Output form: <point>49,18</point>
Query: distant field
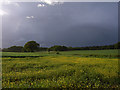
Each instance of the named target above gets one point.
<point>81,53</point>
<point>69,69</point>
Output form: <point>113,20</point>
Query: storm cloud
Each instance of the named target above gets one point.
<point>69,23</point>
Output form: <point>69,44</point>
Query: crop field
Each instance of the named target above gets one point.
<point>68,69</point>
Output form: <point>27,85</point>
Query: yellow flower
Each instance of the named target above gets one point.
<point>31,83</point>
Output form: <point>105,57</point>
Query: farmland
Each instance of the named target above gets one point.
<point>68,69</point>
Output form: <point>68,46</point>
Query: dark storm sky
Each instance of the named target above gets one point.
<point>69,24</point>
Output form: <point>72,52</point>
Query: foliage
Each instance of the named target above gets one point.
<point>42,49</point>
<point>117,45</point>
<point>31,46</point>
<point>35,47</point>
<point>13,49</point>
<point>58,48</point>
<point>0,49</point>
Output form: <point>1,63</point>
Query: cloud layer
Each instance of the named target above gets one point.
<point>70,24</point>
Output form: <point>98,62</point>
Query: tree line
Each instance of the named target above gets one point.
<point>33,46</point>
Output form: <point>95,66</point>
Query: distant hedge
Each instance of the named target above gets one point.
<point>63,48</point>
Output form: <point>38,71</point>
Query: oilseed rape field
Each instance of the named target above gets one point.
<point>68,69</point>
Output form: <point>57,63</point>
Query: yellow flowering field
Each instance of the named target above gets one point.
<point>60,71</point>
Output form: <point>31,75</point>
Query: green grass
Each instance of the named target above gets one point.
<point>98,52</point>
<point>81,53</point>
<point>66,70</point>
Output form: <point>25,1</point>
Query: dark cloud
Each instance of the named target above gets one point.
<point>71,24</point>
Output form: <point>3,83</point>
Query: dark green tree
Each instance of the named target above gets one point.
<point>13,49</point>
<point>48,50</point>
<point>58,48</point>
<point>117,45</point>
<point>31,46</point>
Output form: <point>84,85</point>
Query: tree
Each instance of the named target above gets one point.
<point>0,50</point>
<point>43,49</point>
<point>16,48</point>
<point>48,50</point>
<point>58,48</point>
<point>13,49</point>
<point>117,45</point>
<point>31,46</point>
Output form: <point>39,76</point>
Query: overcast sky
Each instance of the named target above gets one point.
<point>70,24</point>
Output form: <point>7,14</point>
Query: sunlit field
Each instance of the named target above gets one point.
<point>69,69</point>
